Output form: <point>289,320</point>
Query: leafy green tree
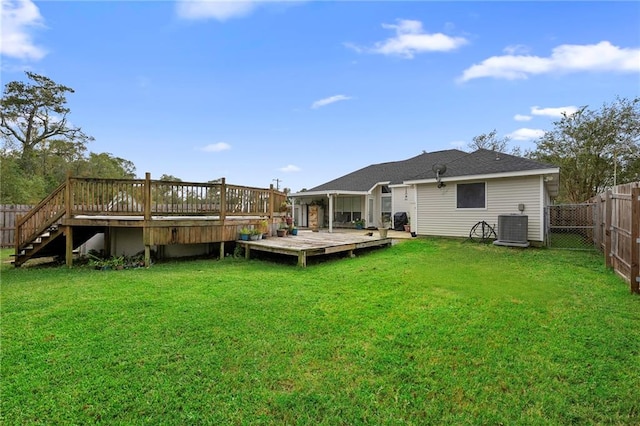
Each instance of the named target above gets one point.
<point>105,165</point>
<point>33,113</point>
<point>16,187</point>
<point>39,145</point>
<point>594,149</point>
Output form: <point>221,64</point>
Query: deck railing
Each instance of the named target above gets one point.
<point>145,198</point>
<point>46,214</point>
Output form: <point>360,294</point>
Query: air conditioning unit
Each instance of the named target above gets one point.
<point>512,230</point>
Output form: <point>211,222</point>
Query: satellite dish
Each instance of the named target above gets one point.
<point>439,169</point>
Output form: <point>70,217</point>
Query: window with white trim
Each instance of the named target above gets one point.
<point>347,209</point>
<point>471,195</point>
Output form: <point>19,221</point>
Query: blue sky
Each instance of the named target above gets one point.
<point>308,91</point>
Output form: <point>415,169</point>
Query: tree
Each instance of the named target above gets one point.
<point>33,113</point>
<point>105,165</point>
<point>489,141</point>
<point>594,149</point>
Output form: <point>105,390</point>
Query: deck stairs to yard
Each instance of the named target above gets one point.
<point>39,233</point>
<point>52,243</point>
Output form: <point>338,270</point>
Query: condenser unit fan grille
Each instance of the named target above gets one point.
<point>512,230</point>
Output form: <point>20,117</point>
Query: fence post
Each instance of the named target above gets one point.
<point>608,200</point>
<point>634,275</point>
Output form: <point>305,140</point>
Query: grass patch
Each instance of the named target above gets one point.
<point>428,331</point>
<point>569,240</point>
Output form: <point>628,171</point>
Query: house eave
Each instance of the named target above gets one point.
<point>444,178</point>
<point>326,193</point>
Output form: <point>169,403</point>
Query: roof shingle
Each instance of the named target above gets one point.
<point>394,172</point>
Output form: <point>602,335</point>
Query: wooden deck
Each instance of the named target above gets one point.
<point>168,212</point>
<point>308,243</point>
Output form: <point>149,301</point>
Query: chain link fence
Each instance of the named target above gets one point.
<point>571,226</point>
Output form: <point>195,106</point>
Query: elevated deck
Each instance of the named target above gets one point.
<point>164,212</point>
<point>308,243</point>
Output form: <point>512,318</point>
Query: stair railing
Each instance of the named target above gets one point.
<point>40,218</point>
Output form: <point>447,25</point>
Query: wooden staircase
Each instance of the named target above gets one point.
<point>43,245</point>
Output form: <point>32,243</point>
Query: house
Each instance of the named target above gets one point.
<point>444,193</point>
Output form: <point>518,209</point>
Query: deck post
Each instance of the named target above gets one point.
<point>68,233</point>
<point>247,251</point>
<point>221,249</point>
<point>68,194</point>
<point>302,258</point>
<point>147,217</point>
<point>223,200</point>
<point>107,241</point>
<point>271,201</point>
<point>147,196</point>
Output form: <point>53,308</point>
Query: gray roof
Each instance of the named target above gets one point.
<point>483,162</point>
<point>459,163</point>
<point>394,172</point>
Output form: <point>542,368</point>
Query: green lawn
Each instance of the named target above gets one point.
<point>425,332</point>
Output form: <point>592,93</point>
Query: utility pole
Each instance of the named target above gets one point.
<point>277,181</point>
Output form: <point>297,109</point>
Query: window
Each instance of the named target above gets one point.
<point>347,209</point>
<point>471,195</point>
<point>385,208</point>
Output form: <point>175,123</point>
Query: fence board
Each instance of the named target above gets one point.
<point>617,230</point>
<point>8,214</point>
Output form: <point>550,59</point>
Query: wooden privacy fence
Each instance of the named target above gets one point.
<point>8,215</point>
<point>8,219</point>
<point>617,230</point>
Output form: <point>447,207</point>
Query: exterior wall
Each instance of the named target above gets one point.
<point>404,200</point>
<point>127,241</point>
<point>438,215</point>
<point>94,243</point>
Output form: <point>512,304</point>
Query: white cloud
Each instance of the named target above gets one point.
<point>565,58</point>
<point>18,18</point>
<point>217,147</point>
<point>553,112</point>
<point>525,134</point>
<point>329,100</point>
<point>410,39</point>
<point>458,144</point>
<point>290,168</point>
<point>516,49</point>
<point>216,9</point>
<point>520,117</point>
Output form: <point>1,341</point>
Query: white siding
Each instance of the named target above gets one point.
<point>438,215</point>
<point>404,200</point>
